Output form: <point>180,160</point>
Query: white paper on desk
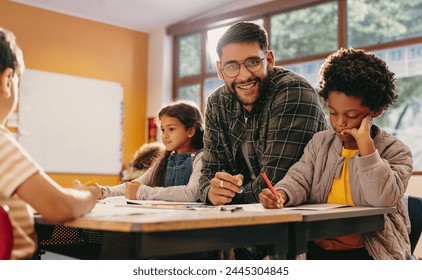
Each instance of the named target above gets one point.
<point>254,207</point>
<point>113,200</point>
<point>110,210</point>
<point>161,202</point>
<point>172,206</point>
<point>317,207</point>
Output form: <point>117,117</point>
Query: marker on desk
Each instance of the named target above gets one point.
<point>231,209</point>
<point>241,187</point>
<point>269,184</point>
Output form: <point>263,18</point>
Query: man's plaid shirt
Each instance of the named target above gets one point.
<point>276,131</point>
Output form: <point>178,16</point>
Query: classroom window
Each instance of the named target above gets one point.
<point>190,92</point>
<point>375,22</point>
<point>210,85</point>
<point>402,121</point>
<point>406,63</point>
<point>190,55</point>
<point>304,32</point>
<point>212,39</point>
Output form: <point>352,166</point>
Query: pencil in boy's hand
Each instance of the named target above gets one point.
<point>269,184</point>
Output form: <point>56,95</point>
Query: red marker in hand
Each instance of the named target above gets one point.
<point>269,184</point>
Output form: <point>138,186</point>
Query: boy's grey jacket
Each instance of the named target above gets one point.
<point>378,180</point>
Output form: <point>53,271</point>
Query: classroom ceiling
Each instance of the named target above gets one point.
<point>141,15</point>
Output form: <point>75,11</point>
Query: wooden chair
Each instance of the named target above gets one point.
<point>6,235</point>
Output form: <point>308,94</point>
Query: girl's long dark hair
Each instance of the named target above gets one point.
<point>190,116</point>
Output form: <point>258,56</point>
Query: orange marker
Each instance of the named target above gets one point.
<point>269,184</point>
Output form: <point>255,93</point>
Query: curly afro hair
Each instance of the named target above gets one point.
<point>147,154</point>
<point>355,72</point>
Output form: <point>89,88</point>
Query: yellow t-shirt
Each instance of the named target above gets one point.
<point>340,194</point>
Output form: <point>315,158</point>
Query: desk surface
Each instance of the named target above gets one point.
<point>164,234</point>
<point>193,219</point>
<point>138,236</point>
<point>343,212</point>
<point>178,220</point>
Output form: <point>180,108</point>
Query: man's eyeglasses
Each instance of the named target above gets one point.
<point>253,64</point>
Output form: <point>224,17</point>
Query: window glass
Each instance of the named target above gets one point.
<point>190,55</point>
<point>212,39</point>
<point>210,85</point>
<point>403,121</point>
<point>309,70</point>
<point>190,92</point>
<point>304,32</point>
<point>372,22</point>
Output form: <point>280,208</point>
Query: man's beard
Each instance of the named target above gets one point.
<point>263,84</point>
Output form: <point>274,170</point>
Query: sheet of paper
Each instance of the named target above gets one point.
<point>113,200</point>
<point>162,202</point>
<point>317,207</point>
<point>110,210</point>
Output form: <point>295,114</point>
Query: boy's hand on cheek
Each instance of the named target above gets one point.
<point>362,136</point>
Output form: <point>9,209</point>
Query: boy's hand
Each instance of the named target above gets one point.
<point>270,201</point>
<point>363,136</point>
<point>132,188</point>
<point>94,188</point>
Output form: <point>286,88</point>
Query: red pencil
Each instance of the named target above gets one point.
<point>269,184</point>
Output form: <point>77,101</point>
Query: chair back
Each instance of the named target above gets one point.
<point>6,235</point>
<point>415,217</point>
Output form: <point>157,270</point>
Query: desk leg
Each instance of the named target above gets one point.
<point>119,246</point>
<point>298,237</point>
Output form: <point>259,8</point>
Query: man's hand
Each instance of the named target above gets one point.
<point>224,187</point>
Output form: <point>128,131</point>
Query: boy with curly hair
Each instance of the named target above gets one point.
<point>143,159</point>
<point>355,163</point>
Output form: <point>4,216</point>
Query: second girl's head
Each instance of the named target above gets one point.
<point>182,127</point>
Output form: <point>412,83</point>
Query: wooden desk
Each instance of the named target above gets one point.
<point>186,231</point>
<point>333,223</point>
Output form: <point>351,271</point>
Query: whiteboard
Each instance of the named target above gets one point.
<point>71,124</point>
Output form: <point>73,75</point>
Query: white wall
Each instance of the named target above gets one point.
<point>160,76</point>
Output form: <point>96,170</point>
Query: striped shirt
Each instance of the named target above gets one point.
<point>275,132</point>
<point>16,166</point>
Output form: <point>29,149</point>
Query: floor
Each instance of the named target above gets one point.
<point>53,256</point>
